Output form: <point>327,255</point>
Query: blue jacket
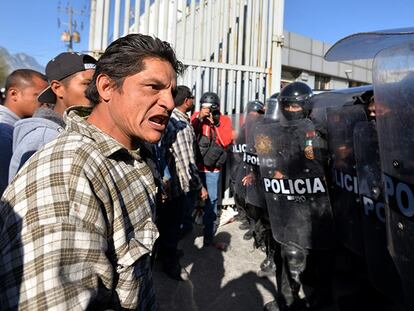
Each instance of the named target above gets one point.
<point>31,134</point>
<point>7,120</point>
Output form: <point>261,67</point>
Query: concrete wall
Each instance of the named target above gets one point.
<point>306,54</point>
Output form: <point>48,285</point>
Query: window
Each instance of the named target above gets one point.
<point>322,82</point>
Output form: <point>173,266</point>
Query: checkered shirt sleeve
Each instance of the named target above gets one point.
<point>76,226</point>
<point>183,154</point>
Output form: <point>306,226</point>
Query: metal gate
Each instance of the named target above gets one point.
<point>227,46</point>
<point>231,47</point>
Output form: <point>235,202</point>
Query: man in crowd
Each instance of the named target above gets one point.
<point>185,149</point>
<point>179,144</point>
<point>77,221</point>
<point>23,86</point>
<point>69,75</point>
<point>214,133</point>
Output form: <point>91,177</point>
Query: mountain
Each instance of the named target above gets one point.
<point>20,60</point>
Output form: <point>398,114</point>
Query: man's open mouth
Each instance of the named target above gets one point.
<point>161,120</point>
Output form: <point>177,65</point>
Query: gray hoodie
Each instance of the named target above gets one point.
<point>31,134</point>
<point>7,116</point>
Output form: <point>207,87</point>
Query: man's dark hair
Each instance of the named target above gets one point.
<point>181,95</point>
<point>125,57</point>
<point>22,78</point>
<point>66,81</point>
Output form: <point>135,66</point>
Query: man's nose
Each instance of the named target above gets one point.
<point>167,101</point>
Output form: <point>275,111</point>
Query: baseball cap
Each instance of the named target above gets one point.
<point>62,66</point>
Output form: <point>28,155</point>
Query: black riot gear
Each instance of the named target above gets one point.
<point>272,108</point>
<point>255,106</point>
<point>394,92</point>
<point>296,93</point>
<point>292,171</point>
<point>295,260</point>
<point>392,51</point>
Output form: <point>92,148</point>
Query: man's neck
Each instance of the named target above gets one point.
<point>101,118</point>
<point>182,109</point>
<point>12,108</point>
<point>59,107</point>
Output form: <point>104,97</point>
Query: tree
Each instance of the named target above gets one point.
<point>4,71</point>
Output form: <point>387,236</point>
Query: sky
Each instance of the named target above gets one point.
<point>31,26</point>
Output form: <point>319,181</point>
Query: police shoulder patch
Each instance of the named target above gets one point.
<point>308,145</point>
<point>309,152</point>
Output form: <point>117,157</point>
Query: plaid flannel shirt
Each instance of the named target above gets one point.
<point>76,226</point>
<point>180,140</point>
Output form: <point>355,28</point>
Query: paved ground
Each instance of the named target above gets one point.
<point>227,280</point>
<point>218,280</point>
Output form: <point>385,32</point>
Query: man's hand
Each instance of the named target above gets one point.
<point>278,175</point>
<point>248,179</point>
<point>205,114</point>
<point>203,194</point>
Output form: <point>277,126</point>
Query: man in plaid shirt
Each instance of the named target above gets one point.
<point>76,224</point>
<point>179,149</point>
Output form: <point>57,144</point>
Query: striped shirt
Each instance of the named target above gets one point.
<point>76,225</point>
<point>180,139</point>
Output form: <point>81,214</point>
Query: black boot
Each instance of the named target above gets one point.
<point>267,268</point>
<point>271,306</point>
<point>244,225</point>
<point>248,235</point>
<point>173,269</point>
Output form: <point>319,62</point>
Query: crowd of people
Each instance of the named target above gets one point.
<point>103,163</point>
<point>101,167</point>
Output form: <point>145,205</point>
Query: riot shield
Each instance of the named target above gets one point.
<point>339,98</point>
<point>393,77</point>
<point>235,156</point>
<point>381,269</point>
<point>253,182</point>
<point>293,176</point>
<point>344,190</point>
<point>366,45</point>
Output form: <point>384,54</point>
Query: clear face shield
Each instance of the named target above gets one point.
<point>272,110</point>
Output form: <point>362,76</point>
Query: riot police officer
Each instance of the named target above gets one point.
<point>238,168</point>
<point>293,167</point>
<point>254,115</point>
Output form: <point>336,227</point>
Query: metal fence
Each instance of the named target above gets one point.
<point>228,46</point>
<point>231,47</point>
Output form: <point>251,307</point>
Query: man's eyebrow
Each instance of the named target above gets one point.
<point>154,80</point>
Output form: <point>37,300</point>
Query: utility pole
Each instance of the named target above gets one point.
<point>71,35</point>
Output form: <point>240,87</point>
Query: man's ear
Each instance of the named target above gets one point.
<point>12,93</point>
<point>104,87</point>
<point>57,88</point>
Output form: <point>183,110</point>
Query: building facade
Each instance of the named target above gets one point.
<point>236,48</point>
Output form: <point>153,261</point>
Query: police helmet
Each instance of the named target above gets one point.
<point>295,93</point>
<point>255,106</point>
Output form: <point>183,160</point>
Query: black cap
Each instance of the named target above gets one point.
<point>62,66</point>
<point>210,98</point>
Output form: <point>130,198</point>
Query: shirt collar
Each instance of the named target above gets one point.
<point>180,114</point>
<point>75,118</point>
